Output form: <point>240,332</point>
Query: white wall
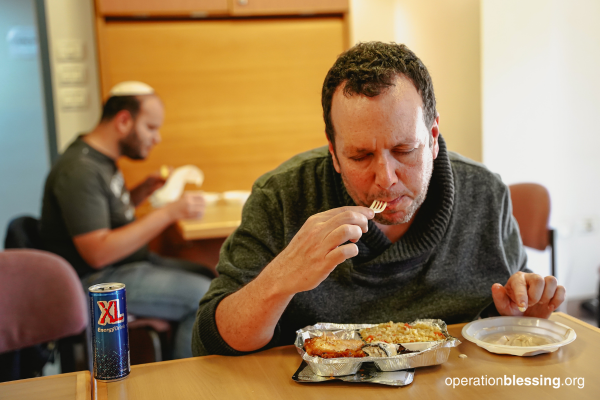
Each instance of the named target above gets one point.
<point>372,20</point>
<point>71,22</point>
<point>541,94</point>
<point>445,36</point>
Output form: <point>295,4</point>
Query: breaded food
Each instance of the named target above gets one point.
<point>402,332</point>
<point>332,347</point>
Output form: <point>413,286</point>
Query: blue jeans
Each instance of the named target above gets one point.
<point>163,288</point>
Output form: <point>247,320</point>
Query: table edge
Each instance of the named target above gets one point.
<point>577,321</point>
<point>76,373</point>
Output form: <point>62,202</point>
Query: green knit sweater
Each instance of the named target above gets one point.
<point>463,240</point>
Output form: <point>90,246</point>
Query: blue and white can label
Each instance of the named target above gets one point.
<point>110,337</point>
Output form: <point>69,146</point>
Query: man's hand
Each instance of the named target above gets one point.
<point>153,182</point>
<point>246,319</point>
<point>319,247</point>
<point>191,205</point>
<point>540,295</point>
<point>105,246</point>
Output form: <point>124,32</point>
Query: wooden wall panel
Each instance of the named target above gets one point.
<point>219,7</point>
<point>160,7</point>
<point>262,7</point>
<point>241,96</point>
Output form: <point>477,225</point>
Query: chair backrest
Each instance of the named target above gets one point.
<point>41,299</point>
<point>531,209</point>
<point>23,233</point>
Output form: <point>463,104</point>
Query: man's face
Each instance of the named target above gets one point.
<point>383,150</point>
<point>144,133</point>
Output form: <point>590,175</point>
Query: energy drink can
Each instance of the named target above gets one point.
<point>110,338</point>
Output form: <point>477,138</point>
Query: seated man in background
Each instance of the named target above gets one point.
<point>309,250</point>
<point>88,215</point>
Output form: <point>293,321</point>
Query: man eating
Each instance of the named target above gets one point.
<point>310,250</point>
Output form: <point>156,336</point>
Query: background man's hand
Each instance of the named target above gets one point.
<point>319,247</point>
<point>191,205</point>
<point>154,181</point>
<point>540,295</point>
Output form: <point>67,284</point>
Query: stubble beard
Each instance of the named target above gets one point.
<point>418,201</point>
<point>130,146</point>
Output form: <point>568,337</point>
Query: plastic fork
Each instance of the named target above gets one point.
<point>378,206</point>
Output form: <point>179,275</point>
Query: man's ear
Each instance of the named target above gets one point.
<point>336,164</point>
<point>123,122</point>
<point>435,135</point>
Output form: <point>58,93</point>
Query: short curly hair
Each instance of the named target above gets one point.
<point>368,69</point>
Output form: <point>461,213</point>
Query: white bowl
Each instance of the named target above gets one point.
<point>211,198</point>
<point>477,330</point>
<point>236,196</point>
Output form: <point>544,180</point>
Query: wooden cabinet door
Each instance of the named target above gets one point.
<point>265,7</point>
<point>241,96</point>
<point>160,7</point>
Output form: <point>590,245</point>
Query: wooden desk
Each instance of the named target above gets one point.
<point>75,385</point>
<point>267,375</point>
<point>197,240</point>
<point>219,221</point>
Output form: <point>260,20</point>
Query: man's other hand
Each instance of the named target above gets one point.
<point>152,182</point>
<point>541,296</point>
<point>318,248</point>
<point>191,205</point>
<point>157,179</point>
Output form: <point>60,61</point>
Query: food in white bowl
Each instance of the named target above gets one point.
<point>518,336</point>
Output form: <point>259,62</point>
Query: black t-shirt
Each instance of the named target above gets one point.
<point>85,191</point>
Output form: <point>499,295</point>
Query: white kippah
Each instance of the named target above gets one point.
<point>131,88</point>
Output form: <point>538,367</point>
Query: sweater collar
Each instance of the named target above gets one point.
<point>426,231</point>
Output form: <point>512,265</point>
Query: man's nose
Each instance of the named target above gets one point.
<point>157,138</point>
<point>385,175</point>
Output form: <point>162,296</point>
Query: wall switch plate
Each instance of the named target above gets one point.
<point>71,73</point>
<point>70,50</point>
<point>73,98</point>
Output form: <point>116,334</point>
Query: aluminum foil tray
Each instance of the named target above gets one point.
<point>431,353</point>
<point>367,374</point>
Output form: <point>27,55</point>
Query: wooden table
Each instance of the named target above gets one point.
<point>75,385</point>
<point>267,375</point>
<point>197,240</point>
<point>219,221</point>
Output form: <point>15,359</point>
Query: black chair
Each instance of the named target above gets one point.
<point>23,233</point>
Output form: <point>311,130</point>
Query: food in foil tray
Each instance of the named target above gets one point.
<point>382,349</point>
<point>333,350</point>
<point>327,346</point>
<point>400,332</point>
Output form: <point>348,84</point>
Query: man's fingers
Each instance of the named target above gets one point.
<point>535,288</point>
<point>558,298</point>
<point>347,218</point>
<point>367,212</point>
<point>341,235</point>
<point>516,288</point>
<point>341,254</point>
<point>501,299</point>
<point>550,286</point>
